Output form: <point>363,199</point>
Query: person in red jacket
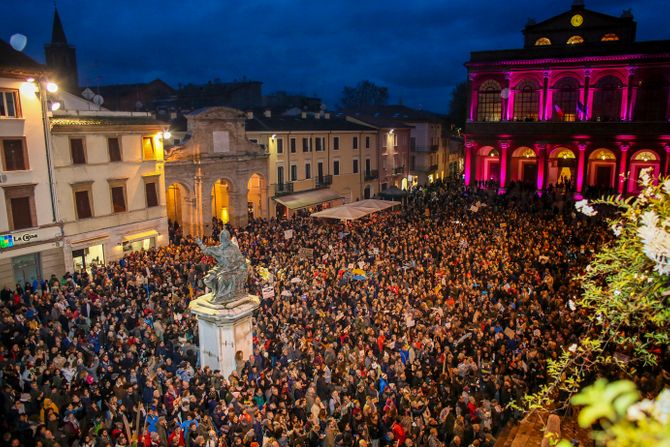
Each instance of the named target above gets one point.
<point>398,432</point>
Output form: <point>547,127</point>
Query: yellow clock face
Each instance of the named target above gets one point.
<point>577,20</point>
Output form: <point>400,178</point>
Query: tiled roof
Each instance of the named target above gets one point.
<point>15,61</point>
<point>81,121</point>
<point>298,124</point>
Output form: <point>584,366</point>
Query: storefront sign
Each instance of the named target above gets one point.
<point>11,240</point>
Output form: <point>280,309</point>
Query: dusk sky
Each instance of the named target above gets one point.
<point>415,48</point>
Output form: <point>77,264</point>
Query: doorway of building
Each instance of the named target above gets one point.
<point>603,176</point>
<point>529,173</point>
<point>26,268</point>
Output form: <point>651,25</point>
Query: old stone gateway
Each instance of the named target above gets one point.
<point>216,172</point>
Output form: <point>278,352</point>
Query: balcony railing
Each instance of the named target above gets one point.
<point>371,174</point>
<point>549,128</point>
<point>283,188</point>
<point>323,182</point>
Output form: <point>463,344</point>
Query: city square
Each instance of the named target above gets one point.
<point>209,265</point>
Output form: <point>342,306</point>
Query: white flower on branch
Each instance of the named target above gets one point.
<point>573,348</point>
<point>655,242</point>
<point>571,305</point>
<point>584,208</point>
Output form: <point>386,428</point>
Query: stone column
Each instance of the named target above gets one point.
<point>504,147</point>
<point>587,108</point>
<point>474,98</point>
<point>667,160</point>
<point>540,149</point>
<point>238,213</point>
<point>580,168</point>
<point>622,167</point>
<point>467,170</point>
<point>545,98</point>
<point>632,95</point>
<point>508,101</point>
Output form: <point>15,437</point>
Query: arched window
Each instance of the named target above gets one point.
<point>494,153</point>
<point>607,99</point>
<point>542,41</point>
<point>609,37</point>
<point>575,40</point>
<point>566,97</point>
<point>489,105</point>
<point>645,156</point>
<point>602,154</point>
<point>652,99</point>
<point>526,102</point>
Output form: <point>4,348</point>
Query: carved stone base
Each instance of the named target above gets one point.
<point>225,330</point>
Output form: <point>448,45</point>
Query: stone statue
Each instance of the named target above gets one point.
<point>227,279</point>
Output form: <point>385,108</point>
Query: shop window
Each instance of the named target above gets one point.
<point>88,257</point>
<point>14,154</point>
<point>26,268</point>
<point>144,244</point>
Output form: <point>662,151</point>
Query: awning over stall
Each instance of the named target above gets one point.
<point>307,198</point>
<point>140,236</point>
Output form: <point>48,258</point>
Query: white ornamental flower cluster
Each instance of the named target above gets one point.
<point>655,241</point>
<point>584,208</point>
<point>659,409</point>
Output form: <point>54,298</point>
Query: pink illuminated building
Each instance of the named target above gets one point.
<point>582,102</point>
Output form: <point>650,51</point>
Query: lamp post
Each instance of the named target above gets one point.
<point>43,86</point>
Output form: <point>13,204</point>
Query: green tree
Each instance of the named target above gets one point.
<point>364,94</point>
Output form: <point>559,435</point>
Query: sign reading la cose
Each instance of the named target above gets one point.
<point>10,240</point>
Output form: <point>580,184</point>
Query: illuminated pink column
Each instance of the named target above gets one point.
<point>473,97</point>
<point>586,101</point>
<point>631,93</point>
<point>467,171</point>
<point>622,167</point>
<point>540,149</point>
<point>580,167</point>
<point>504,146</point>
<point>543,100</point>
<point>667,159</point>
<point>507,99</point>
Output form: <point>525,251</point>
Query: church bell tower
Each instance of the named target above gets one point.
<point>61,58</point>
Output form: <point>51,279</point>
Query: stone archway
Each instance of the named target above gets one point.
<point>524,165</point>
<point>562,167</point>
<point>220,199</point>
<point>602,169</point>
<point>257,196</point>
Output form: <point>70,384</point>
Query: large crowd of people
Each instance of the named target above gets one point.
<point>416,326</point>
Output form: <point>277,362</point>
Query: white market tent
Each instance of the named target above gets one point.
<point>355,210</point>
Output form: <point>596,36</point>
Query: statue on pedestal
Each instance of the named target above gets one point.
<point>227,279</point>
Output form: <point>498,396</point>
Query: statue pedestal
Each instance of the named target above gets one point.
<point>225,330</point>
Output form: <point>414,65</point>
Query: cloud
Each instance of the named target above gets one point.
<point>417,48</point>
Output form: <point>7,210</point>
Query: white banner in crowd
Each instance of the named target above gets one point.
<point>288,234</point>
<point>268,292</point>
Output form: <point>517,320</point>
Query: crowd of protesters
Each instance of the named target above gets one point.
<point>416,326</point>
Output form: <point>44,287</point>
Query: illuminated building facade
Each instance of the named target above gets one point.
<point>582,103</point>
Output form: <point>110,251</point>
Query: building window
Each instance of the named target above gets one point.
<point>118,191</point>
<point>21,211</point>
<point>280,146</point>
<point>355,166</point>
<point>82,200</point>
<point>318,143</point>
<point>368,167</point>
<point>607,99</point>
<point>489,104</point>
<point>575,40</point>
<point>148,150</point>
<point>336,143</point>
<point>308,171</point>
<point>319,169</point>
<point>609,37</point>
<point>355,143</point>
<point>77,151</point>
<point>9,103</point>
<point>151,191</point>
<point>292,142</point>
<point>305,144</point>
<point>652,100</point>
<point>14,154</point>
<point>336,167</point>
<point>542,41</point>
<point>114,149</point>
<point>526,102</point>
<point>294,173</point>
<point>280,175</point>
<point>367,142</point>
<point>566,97</point>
